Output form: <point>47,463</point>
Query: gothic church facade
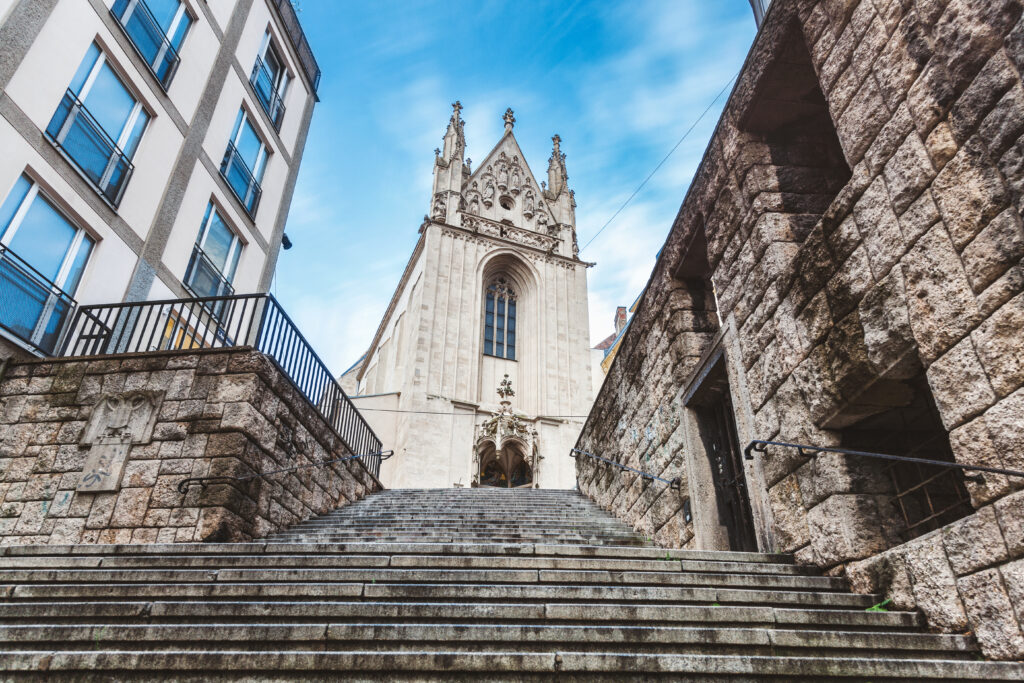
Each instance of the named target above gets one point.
<point>479,374</point>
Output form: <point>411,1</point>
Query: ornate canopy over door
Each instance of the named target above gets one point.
<point>505,469</point>
<point>505,451</point>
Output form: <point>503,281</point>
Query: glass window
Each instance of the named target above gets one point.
<point>214,258</point>
<point>270,81</point>
<point>244,162</point>
<point>500,320</point>
<point>99,124</point>
<point>156,29</point>
<point>42,258</point>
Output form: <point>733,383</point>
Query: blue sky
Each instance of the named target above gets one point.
<point>619,81</point>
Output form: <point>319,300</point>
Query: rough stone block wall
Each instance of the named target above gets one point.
<point>913,265</point>
<point>223,413</point>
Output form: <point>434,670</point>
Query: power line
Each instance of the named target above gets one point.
<point>662,162</point>
<point>428,412</point>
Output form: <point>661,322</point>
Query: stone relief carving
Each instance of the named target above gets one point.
<point>118,420</point>
<point>489,193</point>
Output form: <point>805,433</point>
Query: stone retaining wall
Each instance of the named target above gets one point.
<point>222,413</point>
<point>858,215</point>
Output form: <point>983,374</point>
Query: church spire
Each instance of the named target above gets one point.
<point>557,176</point>
<point>561,199</point>
<point>448,168</point>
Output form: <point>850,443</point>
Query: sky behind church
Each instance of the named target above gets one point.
<point>621,82</point>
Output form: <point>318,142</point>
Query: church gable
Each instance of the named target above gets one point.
<point>503,188</point>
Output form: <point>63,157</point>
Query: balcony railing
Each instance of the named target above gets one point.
<point>244,184</point>
<point>204,278</point>
<point>253,320</point>
<point>149,39</point>
<point>263,83</point>
<point>32,308</point>
<point>79,135</point>
<point>295,33</point>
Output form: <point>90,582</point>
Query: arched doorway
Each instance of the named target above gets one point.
<point>506,469</point>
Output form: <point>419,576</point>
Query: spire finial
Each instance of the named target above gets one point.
<point>456,109</point>
<point>556,139</point>
<point>505,389</point>
<point>509,119</point>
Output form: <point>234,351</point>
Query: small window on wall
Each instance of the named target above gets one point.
<point>270,81</point>
<point>211,269</point>
<point>244,162</point>
<point>156,29</point>
<point>500,320</point>
<point>98,125</point>
<point>42,258</point>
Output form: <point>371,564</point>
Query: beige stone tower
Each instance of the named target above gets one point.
<point>494,288</point>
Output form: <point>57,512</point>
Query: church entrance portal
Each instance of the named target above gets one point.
<point>507,469</point>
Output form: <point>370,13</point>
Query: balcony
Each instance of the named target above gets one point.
<point>243,183</point>
<point>263,83</point>
<point>76,132</point>
<point>32,308</point>
<point>204,279</point>
<point>149,39</point>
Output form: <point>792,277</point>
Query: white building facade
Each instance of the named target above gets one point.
<point>150,151</point>
<point>494,288</point>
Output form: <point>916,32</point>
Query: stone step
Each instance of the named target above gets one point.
<point>496,550</point>
<point>454,592</point>
<point>579,612</point>
<point>338,637</point>
<point>301,569</point>
<point>568,665</point>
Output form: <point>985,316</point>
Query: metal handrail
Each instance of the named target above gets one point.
<point>184,484</point>
<point>253,191</point>
<point>674,484</point>
<point>268,97</point>
<point>152,27</point>
<point>253,320</point>
<point>760,446</point>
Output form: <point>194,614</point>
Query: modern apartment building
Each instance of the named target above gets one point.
<point>149,151</point>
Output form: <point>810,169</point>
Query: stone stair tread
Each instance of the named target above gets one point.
<point>449,585</point>
<point>511,661</point>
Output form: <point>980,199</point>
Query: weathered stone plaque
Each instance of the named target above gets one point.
<point>104,466</point>
<point>117,422</point>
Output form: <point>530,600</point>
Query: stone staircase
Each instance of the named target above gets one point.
<point>403,586</point>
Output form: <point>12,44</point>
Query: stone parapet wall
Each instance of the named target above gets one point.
<point>219,413</point>
<point>842,279</point>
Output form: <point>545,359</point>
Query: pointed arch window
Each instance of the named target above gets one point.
<point>500,320</point>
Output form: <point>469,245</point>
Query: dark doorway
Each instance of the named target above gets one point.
<point>716,422</point>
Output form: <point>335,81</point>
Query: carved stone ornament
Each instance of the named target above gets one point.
<point>118,420</point>
<point>504,427</point>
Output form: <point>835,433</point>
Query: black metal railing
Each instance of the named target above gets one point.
<point>370,460</point>
<point>254,320</point>
<point>32,308</point>
<point>241,179</point>
<point>758,446</point>
<point>204,278</point>
<point>79,135</point>
<point>149,39</point>
<point>266,92</point>
<point>674,484</point>
<point>298,37</point>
